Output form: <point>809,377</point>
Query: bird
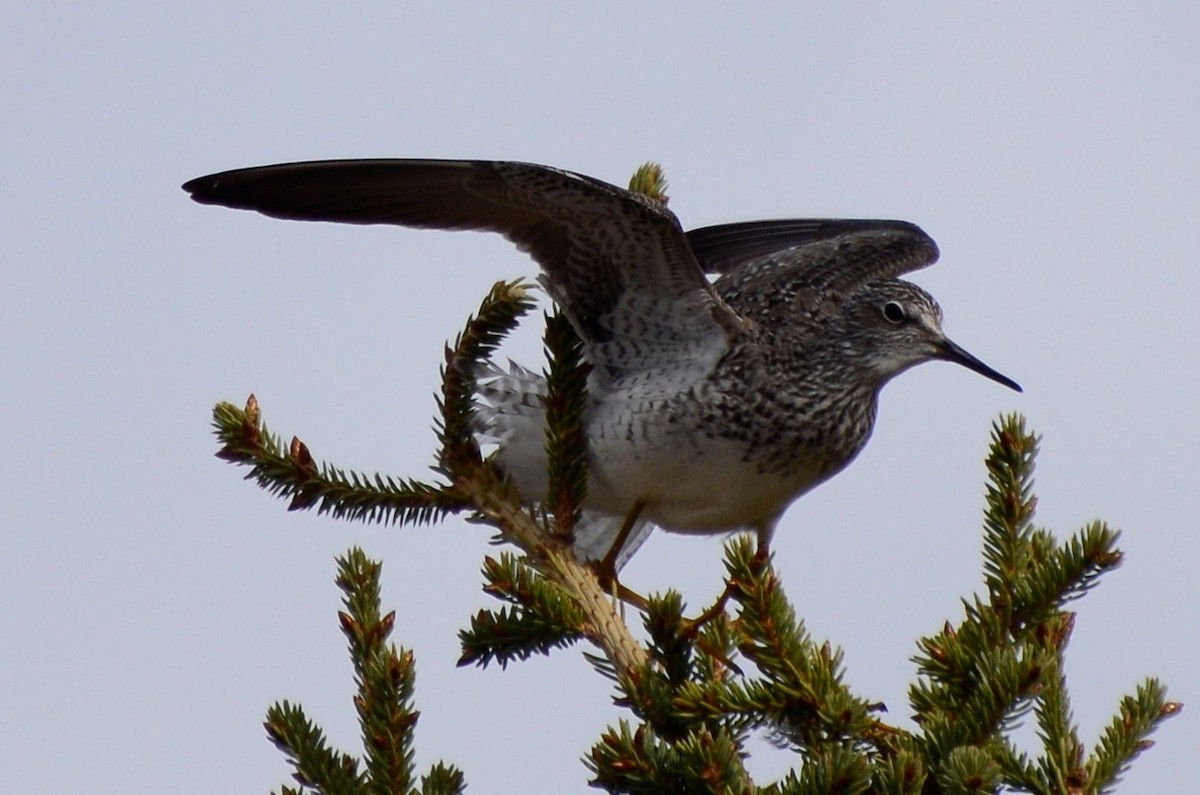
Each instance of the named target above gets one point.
<point>712,405</point>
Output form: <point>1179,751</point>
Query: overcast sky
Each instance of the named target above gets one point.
<point>155,604</point>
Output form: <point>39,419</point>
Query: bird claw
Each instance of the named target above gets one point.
<point>762,557</point>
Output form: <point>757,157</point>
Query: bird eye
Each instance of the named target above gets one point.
<point>893,312</point>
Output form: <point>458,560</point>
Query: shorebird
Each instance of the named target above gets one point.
<point>712,406</point>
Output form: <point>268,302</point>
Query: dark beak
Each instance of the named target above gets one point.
<point>951,352</point>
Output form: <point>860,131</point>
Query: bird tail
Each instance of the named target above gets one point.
<point>510,415</point>
<point>595,533</point>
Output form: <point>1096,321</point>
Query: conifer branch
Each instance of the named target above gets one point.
<point>542,617</point>
<point>494,502</point>
<point>383,674</point>
<point>1061,767</point>
<point>498,314</point>
<point>443,780</point>
<point>317,767</point>
<point>978,678</point>
<point>292,473</point>
<point>650,181</point>
<point>834,769</point>
<point>1126,737</point>
<point>637,761</point>
<point>969,770</point>
<point>800,694</point>
<point>385,677</point>
<point>566,445</point>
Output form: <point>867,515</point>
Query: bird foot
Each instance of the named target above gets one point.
<point>607,577</point>
<point>761,557</point>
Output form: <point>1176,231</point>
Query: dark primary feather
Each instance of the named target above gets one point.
<point>724,247</point>
<point>618,263</point>
<point>813,264</point>
<point>610,256</point>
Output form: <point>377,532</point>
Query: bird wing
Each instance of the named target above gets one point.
<point>616,262</point>
<point>724,247</point>
<point>820,260</point>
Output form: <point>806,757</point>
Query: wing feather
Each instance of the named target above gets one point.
<point>617,262</point>
<point>819,260</point>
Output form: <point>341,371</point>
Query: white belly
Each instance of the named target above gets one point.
<point>687,482</point>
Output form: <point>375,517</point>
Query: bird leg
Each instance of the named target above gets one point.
<point>761,555</point>
<point>608,565</point>
<point>606,569</point>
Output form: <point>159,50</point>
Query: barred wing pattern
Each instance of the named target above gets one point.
<point>616,262</point>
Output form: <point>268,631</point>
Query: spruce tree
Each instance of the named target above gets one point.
<point>693,691</point>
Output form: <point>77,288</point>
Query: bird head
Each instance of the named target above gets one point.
<point>896,325</point>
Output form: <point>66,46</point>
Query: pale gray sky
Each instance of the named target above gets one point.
<point>156,604</point>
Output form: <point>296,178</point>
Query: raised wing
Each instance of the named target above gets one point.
<point>724,247</point>
<point>616,262</point>
<point>821,261</point>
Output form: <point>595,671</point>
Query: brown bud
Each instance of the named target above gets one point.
<point>252,411</point>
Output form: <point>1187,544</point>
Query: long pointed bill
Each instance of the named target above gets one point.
<point>951,352</point>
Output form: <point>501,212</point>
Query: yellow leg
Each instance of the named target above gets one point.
<point>608,566</point>
<point>761,556</point>
<point>606,569</point>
